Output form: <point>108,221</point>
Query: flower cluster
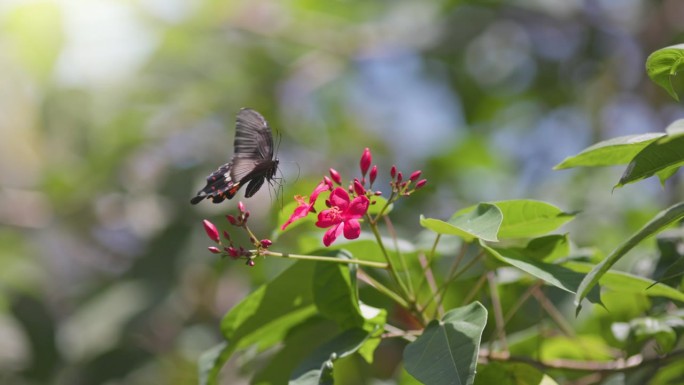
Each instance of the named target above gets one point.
<point>235,252</point>
<point>347,206</point>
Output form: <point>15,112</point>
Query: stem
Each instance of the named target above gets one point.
<point>382,289</point>
<point>390,229</point>
<point>428,277</point>
<point>390,265</point>
<point>498,312</point>
<point>359,262</point>
<point>554,313</point>
<point>390,200</point>
<point>437,297</point>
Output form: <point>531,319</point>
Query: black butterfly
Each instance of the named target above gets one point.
<point>252,163</point>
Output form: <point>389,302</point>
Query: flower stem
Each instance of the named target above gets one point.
<point>393,271</point>
<point>382,289</point>
<point>402,259</point>
<point>359,262</point>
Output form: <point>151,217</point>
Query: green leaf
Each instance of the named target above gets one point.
<point>334,295</point>
<point>661,221</point>
<point>628,283</point>
<point>317,368</point>
<point>610,152</point>
<point>658,157</point>
<point>511,374</point>
<point>480,222</point>
<point>548,248</point>
<point>663,64</point>
<point>374,323</point>
<point>446,353</point>
<point>524,218</point>
<point>676,127</point>
<point>556,275</point>
<point>263,317</point>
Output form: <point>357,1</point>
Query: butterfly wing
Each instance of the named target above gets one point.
<point>253,138</point>
<point>252,161</point>
<point>220,185</point>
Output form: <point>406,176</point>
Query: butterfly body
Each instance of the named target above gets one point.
<point>253,161</point>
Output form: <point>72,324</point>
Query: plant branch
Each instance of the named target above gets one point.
<point>498,312</point>
<point>402,260</point>
<point>390,266</point>
<point>382,289</point>
<point>359,262</point>
<point>618,365</point>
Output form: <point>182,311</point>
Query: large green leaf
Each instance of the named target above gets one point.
<point>446,353</point>
<point>480,222</point>
<point>662,66</point>
<point>662,157</point>
<point>661,221</point>
<point>523,218</point>
<point>317,368</point>
<point>610,152</point>
<point>500,373</point>
<point>263,317</point>
<point>334,295</point>
<point>556,275</point>
<point>628,283</point>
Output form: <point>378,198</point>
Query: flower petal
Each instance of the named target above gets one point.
<point>332,234</point>
<point>323,186</point>
<point>357,208</point>
<point>352,229</point>
<point>339,198</point>
<point>329,217</point>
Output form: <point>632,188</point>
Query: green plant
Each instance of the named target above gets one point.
<point>433,292</point>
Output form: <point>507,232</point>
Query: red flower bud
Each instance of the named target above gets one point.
<point>214,249</point>
<point>250,263</point>
<point>211,231</point>
<point>393,171</point>
<point>241,207</point>
<point>226,235</point>
<point>328,182</point>
<point>378,193</point>
<point>414,176</point>
<point>245,215</point>
<point>358,188</point>
<point>400,177</point>
<point>421,183</point>
<point>233,252</point>
<point>366,159</point>
<point>231,219</point>
<point>335,176</point>
<point>373,174</point>
<point>265,243</point>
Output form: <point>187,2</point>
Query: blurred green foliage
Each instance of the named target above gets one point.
<point>113,113</point>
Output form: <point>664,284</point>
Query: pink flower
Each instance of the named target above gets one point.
<point>342,216</point>
<point>373,174</point>
<point>366,159</point>
<point>211,231</point>
<point>358,188</point>
<point>414,176</point>
<point>335,176</point>
<point>303,208</point>
<point>214,249</point>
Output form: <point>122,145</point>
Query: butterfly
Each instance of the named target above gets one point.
<point>253,161</point>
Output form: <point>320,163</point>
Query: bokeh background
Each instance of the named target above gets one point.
<point>112,113</point>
